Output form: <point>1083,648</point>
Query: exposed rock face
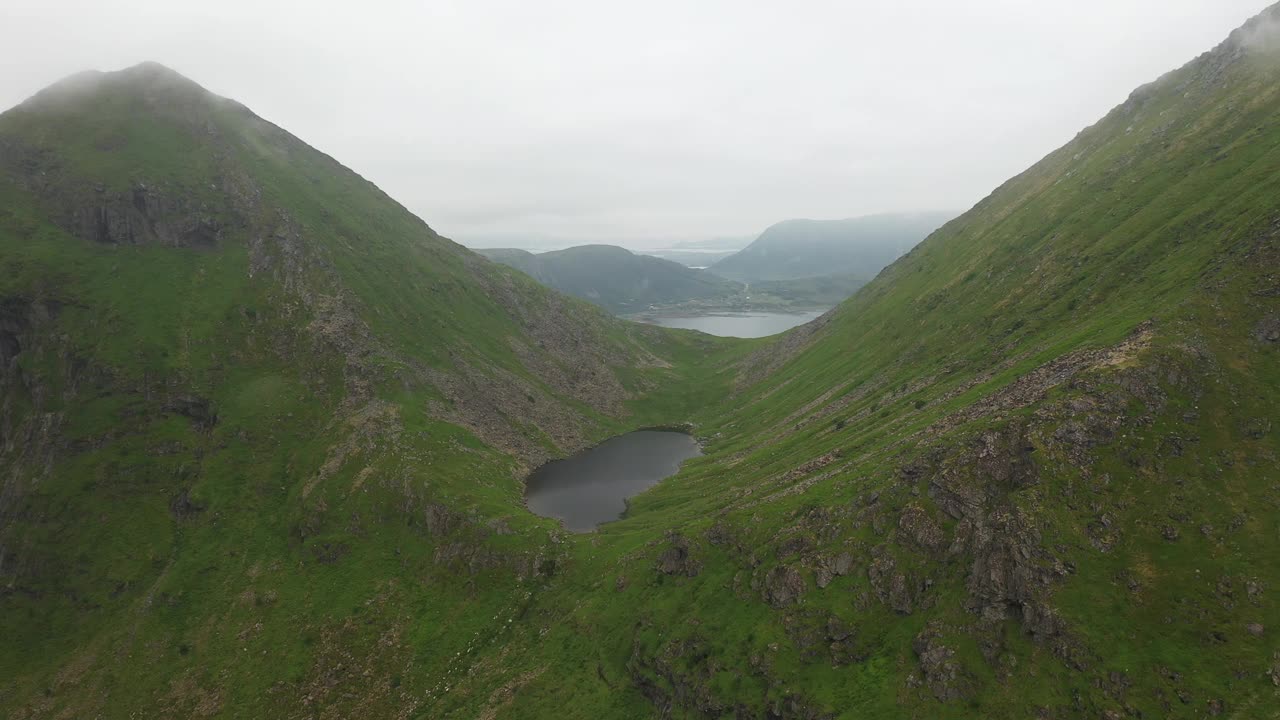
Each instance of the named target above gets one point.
<point>1003,575</point>
<point>783,585</point>
<point>830,567</point>
<point>147,216</point>
<point>1268,329</point>
<point>894,587</point>
<point>677,684</point>
<point>921,530</point>
<point>160,213</point>
<point>183,507</point>
<point>9,347</point>
<point>942,672</point>
<point>197,409</point>
<point>1008,571</point>
<point>677,688</point>
<point>676,560</point>
<point>481,400</point>
<point>14,324</point>
<point>440,520</point>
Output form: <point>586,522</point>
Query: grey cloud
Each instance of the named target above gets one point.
<point>646,123</point>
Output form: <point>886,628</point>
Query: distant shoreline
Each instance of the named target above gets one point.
<point>652,315</point>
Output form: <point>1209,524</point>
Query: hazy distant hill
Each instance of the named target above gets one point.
<point>613,277</point>
<point>700,253</point>
<point>859,247</point>
<point>690,258</point>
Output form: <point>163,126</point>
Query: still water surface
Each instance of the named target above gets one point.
<point>743,325</point>
<point>592,487</point>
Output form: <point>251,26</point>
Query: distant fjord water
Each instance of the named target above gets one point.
<point>738,324</point>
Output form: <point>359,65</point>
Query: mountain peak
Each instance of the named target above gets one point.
<point>149,81</point>
<point>1260,34</point>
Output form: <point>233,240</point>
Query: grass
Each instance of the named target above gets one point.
<point>348,549</point>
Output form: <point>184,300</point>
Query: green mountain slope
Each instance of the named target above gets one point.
<point>857,247</point>
<point>256,418</point>
<point>615,278</point>
<point>1030,470</point>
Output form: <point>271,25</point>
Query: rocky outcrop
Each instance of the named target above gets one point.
<point>1034,385</point>
<point>198,410</point>
<point>146,215</point>
<point>676,559</point>
<point>921,530</point>
<point>895,587</point>
<point>940,669</point>
<point>782,586</point>
<point>500,407</point>
<point>183,507</point>
<point>676,679</point>
<point>1268,329</point>
<point>830,567</point>
<point>1010,572</point>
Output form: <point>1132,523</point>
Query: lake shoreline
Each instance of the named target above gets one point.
<point>739,324</point>
<point>649,316</point>
<point>592,487</point>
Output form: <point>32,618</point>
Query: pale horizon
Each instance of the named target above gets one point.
<point>501,123</point>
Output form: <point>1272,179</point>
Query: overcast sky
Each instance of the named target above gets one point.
<point>643,123</point>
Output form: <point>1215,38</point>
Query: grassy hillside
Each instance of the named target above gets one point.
<point>1030,471</point>
<point>858,247</point>
<point>615,278</point>
<point>248,404</point>
<point>262,444</point>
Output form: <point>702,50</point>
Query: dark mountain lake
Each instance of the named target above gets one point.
<point>592,487</point>
<point>743,325</point>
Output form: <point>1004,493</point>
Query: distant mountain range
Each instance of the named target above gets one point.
<point>615,278</point>
<point>795,263</point>
<point>700,253</point>
<point>699,259</point>
<point>858,247</point>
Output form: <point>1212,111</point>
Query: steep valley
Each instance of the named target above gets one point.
<point>263,434</point>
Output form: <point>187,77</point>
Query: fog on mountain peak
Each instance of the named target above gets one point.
<point>585,122</point>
